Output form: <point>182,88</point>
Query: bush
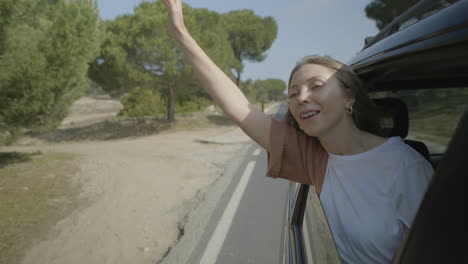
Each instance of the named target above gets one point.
<point>142,102</point>
<point>192,106</point>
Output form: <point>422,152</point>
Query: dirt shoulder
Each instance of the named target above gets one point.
<point>135,193</point>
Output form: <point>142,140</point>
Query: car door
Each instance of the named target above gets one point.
<point>307,235</point>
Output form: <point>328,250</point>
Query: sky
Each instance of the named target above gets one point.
<point>336,28</point>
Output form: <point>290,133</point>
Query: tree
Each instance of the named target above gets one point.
<point>207,28</point>
<point>248,89</point>
<point>45,47</point>
<point>139,52</point>
<point>141,102</point>
<point>250,36</point>
<point>384,11</point>
<point>264,90</point>
<point>111,70</point>
<point>270,89</point>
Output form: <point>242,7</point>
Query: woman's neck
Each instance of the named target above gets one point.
<point>350,141</point>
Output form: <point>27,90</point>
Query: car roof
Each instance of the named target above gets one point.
<point>422,48</point>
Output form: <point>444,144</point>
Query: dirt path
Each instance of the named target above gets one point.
<point>139,191</point>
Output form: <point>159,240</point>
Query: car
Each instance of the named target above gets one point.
<point>416,70</point>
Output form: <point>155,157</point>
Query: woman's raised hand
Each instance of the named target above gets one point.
<point>176,17</point>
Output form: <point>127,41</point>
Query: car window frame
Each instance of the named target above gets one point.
<point>304,243</point>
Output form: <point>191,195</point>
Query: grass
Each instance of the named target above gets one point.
<point>199,120</point>
<point>36,191</point>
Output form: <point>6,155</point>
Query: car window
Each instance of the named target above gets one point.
<point>433,114</point>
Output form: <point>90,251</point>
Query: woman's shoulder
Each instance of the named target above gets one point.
<point>293,139</point>
<point>290,129</point>
<point>405,154</point>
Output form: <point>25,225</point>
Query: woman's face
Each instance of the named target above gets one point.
<point>317,101</point>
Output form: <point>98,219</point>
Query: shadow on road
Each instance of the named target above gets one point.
<point>8,158</point>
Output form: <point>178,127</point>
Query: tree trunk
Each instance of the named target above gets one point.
<point>240,67</point>
<point>171,104</point>
<point>238,78</point>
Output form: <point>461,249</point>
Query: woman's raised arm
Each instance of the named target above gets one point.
<point>221,88</point>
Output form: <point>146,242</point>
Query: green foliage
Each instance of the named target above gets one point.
<point>142,102</point>
<point>45,47</point>
<point>193,106</point>
<point>110,70</point>
<point>139,51</point>
<point>270,89</point>
<point>249,36</point>
<point>384,11</point>
<point>264,90</point>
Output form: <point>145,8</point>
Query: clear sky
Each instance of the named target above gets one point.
<point>323,27</point>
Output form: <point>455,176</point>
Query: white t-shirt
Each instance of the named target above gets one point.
<point>369,199</point>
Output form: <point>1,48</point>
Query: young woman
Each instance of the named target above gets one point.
<point>370,187</point>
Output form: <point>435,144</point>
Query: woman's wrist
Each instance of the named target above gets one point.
<point>181,34</point>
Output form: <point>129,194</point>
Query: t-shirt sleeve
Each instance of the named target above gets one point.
<point>293,155</point>
<point>410,188</point>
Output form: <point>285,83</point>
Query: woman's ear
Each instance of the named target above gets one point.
<point>350,100</point>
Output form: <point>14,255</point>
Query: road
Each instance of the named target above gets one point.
<point>255,234</point>
<point>247,216</point>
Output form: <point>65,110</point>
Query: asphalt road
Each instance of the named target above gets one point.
<point>255,234</point>
<point>241,218</point>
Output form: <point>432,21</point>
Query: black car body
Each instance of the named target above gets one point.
<point>421,60</point>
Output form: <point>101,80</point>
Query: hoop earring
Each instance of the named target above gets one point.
<point>349,110</point>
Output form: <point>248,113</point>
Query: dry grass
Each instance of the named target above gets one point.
<point>36,191</point>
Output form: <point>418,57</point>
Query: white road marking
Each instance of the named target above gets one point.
<point>257,152</point>
<point>219,235</point>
